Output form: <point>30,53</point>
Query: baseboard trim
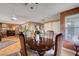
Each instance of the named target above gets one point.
<point>69,50</point>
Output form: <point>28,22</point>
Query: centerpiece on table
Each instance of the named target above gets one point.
<point>37,36</point>
<point>25,30</point>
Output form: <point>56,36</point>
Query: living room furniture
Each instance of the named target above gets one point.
<point>10,32</point>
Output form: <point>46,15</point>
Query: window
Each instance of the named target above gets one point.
<point>71,26</point>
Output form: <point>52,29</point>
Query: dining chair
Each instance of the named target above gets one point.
<point>77,50</point>
<point>58,44</point>
<point>49,42</point>
<point>46,40</point>
<point>49,39</point>
<point>23,50</point>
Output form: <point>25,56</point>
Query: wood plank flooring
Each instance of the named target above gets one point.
<point>16,47</point>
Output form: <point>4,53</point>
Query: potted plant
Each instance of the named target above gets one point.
<point>24,30</point>
<point>37,36</point>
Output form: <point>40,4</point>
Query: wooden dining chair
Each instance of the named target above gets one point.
<point>23,50</point>
<point>58,44</point>
<point>49,40</point>
<point>49,43</point>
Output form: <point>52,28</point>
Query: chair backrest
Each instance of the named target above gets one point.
<point>23,45</point>
<point>58,44</point>
<point>49,43</point>
<point>49,38</point>
<point>50,34</point>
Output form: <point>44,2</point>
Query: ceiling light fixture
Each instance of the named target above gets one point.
<point>36,3</point>
<point>33,7</point>
<point>14,18</point>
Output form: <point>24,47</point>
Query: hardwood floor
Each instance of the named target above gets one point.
<point>68,45</point>
<point>12,49</point>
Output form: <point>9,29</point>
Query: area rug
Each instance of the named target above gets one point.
<point>6,43</point>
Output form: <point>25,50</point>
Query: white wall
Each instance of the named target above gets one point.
<point>54,26</point>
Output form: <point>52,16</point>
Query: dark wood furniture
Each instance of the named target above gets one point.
<point>23,50</point>
<point>58,44</point>
<point>77,49</point>
<point>42,46</point>
<point>10,32</point>
<point>46,45</point>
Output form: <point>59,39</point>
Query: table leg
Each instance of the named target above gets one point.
<point>41,53</point>
<point>76,51</point>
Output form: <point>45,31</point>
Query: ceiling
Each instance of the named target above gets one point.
<point>37,12</point>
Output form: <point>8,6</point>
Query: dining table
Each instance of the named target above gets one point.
<point>42,45</point>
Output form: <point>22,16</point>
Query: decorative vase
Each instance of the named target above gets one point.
<point>37,38</point>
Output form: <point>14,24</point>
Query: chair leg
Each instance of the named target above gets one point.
<point>23,52</point>
<point>76,51</point>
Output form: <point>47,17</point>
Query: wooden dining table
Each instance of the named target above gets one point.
<point>44,44</point>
